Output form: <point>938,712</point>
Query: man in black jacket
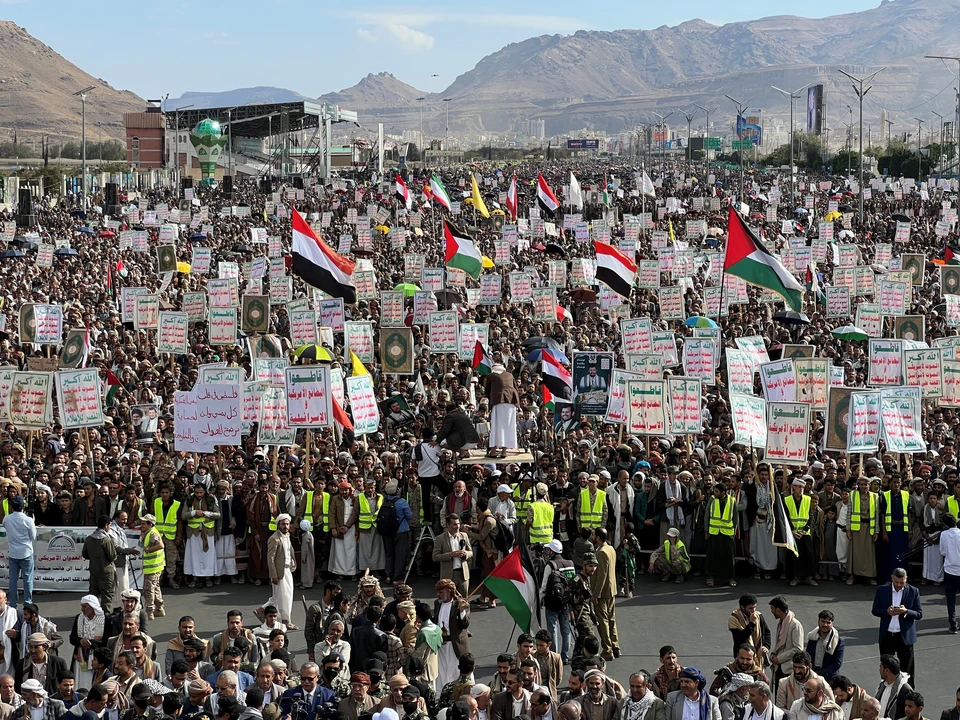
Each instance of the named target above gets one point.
<point>38,647</point>
<point>457,432</point>
<point>367,639</point>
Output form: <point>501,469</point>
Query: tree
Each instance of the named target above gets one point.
<point>846,162</point>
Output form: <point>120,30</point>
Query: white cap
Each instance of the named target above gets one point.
<point>504,488</point>
<point>555,545</point>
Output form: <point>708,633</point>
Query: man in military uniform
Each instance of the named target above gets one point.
<point>412,706</point>
<point>581,602</point>
<point>454,689</point>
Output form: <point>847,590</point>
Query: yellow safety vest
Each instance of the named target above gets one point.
<point>591,517</point>
<point>197,522</point>
<point>541,530</point>
<point>368,515</point>
<point>721,524</point>
<point>798,518</point>
<point>153,562</point>
<point>166,524</point>
<point>888,515</point>
<point>522,500</point>
<point>855,512</point>
<point>953,506</point>
<point>667,549</point>
<point>326,511</point>
<point>308,511</point>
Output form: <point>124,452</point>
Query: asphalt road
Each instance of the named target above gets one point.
<point>691,617</point>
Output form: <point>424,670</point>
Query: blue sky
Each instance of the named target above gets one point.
<point>154,48</point>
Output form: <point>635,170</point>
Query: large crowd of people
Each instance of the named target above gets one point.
<point>352,518</point>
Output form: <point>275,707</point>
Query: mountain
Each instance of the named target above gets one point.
<point>613,80</point>
<point>36,86</point>
<point>375,94</point>
<point>229,98</point>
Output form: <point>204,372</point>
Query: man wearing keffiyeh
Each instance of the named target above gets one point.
<point>692,696</point>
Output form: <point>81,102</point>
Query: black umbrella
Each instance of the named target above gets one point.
<point>448,297</point>
<point>78,214</point>
<point>555,249</point>
<point>789,317</point>
<point>11,253</point>
<point>24,244</point>
<point>583,295</point>
<point>844,208</point>
<point>65,251</point>
<point>539,341</point>
<point>900,217</point>
<point>241,248</point>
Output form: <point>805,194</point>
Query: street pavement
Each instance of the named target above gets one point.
<point>691,617</point>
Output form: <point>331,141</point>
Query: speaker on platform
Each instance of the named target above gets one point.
<point>25,215</point>
<point>266,185</point>
<point>186,183</point>
<point>228,185</point>
<point>111,199</point>
<point>298,183</point>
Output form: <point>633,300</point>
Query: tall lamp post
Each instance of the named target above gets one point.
<point>741,107</point>
<point>422,161</point>
<point>940,140</point>
<point>706,135</point>
<point>792,96</point>
<point>858,84</point>
<point>176,143</point>
<point>689,117</point>
<point>82,94</point>
<point>919,158</point>
<point>446,126</point>
<point>662,124</point>
<point>955,59</point>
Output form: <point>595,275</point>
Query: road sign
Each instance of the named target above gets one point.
<point>741,145</point>
<point>713,143</point>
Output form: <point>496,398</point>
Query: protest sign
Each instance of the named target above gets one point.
<point>647,408</point>
<point>863,430</point>
<point>363,404</point>
<point>172,328</point>
<point>78,397</point>
<point>699,358</point>
<point>684,394</point>
<point>788,433</point>
<point>900,421</point>
<point>749,415</point>
<point>885,362</point>
<point>778,381</point>
<point>308,396</point>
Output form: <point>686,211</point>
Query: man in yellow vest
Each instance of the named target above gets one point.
<point>721,527</point>
<point>540,516</point>
<point>304,521</point>
<point>862,532</point>
<point>154,562</point>
<point>671,559</point>
<point>895,506</point>
<point>370,553</point>
<point>321,525</point>
<point>167,512</point>
<point>802,565</point>
<point>953,502</point>
<point>592,505</point>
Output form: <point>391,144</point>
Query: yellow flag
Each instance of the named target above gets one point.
<point>670,227</point>
<point>477,200</point>
<point>358,368</point>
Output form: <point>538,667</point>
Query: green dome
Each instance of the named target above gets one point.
<point>207,127</point>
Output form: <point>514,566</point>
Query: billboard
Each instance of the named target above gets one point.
<point>815,109</point>
<point>750,126</point>
<point>583,144</point>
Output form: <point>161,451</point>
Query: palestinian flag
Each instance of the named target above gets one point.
<point>121,270</point>
<point>951,255</point>
<point>748,259</point>
<point>481,361</point>
<point>514,583</point>
<point>781,528</point>
<point>403,192</point>
<point>548,201</point>
<point>548,401</point>
<point>812,282</point>
<point>340,415</point>
<point>555,376</point>
<point>113,387</point>
<point>439,192</point>
<point>317,264</point>
<point>460,252</point>
<point>614,269</point>
<point>512,198</point>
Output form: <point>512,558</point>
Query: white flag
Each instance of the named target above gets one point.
<point>576,195</point>
<point>646,187</point>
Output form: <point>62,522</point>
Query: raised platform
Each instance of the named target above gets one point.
<point>479,457</point>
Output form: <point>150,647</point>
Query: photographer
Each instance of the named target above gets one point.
<point>555,592</point>
<point>309,699</point>
<point>21,534</point>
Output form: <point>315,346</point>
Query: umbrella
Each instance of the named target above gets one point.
<point>556,249</point>
<point>108,234</point>
<point>11,253</point>
<point>24,244</point>
<point>65,251</point>
<point>845,208</point>
<point>583,295</point>
<point>756,216</point>
<point>86,230</point>
<point>241,248</point>
<point>699,321</point>
<point>78,214</point>
<point>537,356</point>
<point>198,236</point>
<point>383,229</point>
<point>900,217</point>
<point>539,341</point>
<point>448,297</point>
<point>849,332</point>
<point>831,216</point>
<point>183,267</point>
<point>714,232</point>
<point>408,289</point>
<point>800,211</point>
<point>789,317</point>
<point>313,352</point>
<point>846,234</point>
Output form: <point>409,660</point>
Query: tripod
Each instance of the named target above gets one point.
<point>424,530</point>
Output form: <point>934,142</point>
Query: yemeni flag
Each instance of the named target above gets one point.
<point>481,361</point>
<point>113,387</point>
<point>438,191</point>
<point>461,253</point>
<point>563,314</point>
<point>747,259</point>
<point>403,192</point>
<point>515,585</point>
<point>614,269</point>
<point>548,399</point>
<point>86,347</point>
<point>781,528</point>
<point>545,197</point>
<point>512,197</point>
<point>555,376</point>
<point>605,193</point>
<point>318,265</point>
<point>951,255</point>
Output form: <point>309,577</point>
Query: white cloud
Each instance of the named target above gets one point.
<point>410,40</point>
<point>536,24</point>
<point>365,34</point>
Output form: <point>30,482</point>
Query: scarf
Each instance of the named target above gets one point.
<point>691,673</point>
<point>782,628</point>
<point>432,635</point>
<point>674,513</point>
<point>637,710</point>
<point>739,621</point>
<point>827,707</point>
<point>825,646</point>
<point>202,530</point>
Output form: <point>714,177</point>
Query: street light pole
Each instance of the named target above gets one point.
<point>919,158</point>
<point>956,123</point>
<point>940,140</point>
<point>741,107</point>
<point>861,93</point>
<point>689,117</point>
<point>176,141</point>
<point>663,143</point>
<point>791,95</point>
<point>82,94</point>
<point>422,161</point>
<point>706,136</point>
<point>446,127</point>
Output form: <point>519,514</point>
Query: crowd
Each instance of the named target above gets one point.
<point>597,507</point>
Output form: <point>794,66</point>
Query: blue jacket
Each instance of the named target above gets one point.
<point>831,663</point>
<point>322,696</point>
<point>908,623</point>
<point>403,511</point>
